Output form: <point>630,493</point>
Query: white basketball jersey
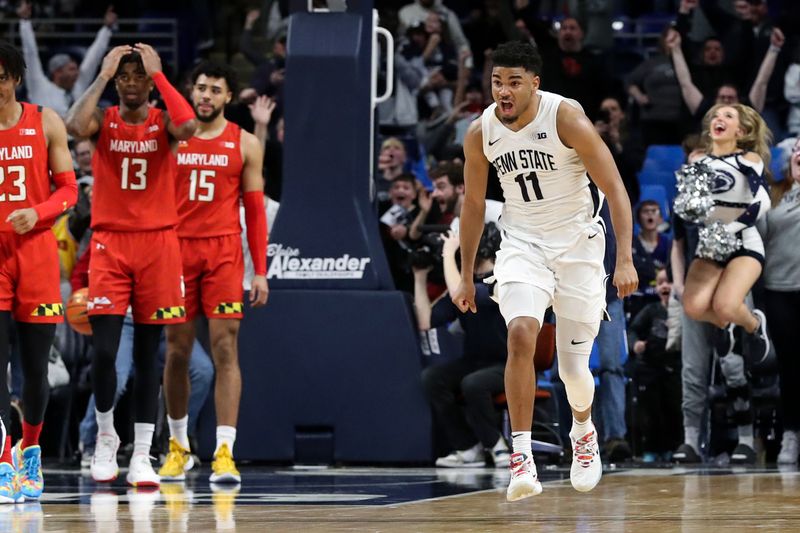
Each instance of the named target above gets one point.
<point>545,185</point>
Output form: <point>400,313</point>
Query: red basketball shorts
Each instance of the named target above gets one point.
<point>137,268</point>
<point>213,270</point>
<point>29,277</point>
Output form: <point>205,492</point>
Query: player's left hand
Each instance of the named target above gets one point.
<point>23,220</point>
<point>625,278</point>
<point>259,291</point>
<point>150,59</point>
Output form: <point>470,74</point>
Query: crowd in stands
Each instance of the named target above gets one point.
<point>640,96</point>
<point>697,54</point>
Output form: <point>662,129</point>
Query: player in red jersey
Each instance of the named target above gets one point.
<point>135,253</point>
<point>217,167</point>
<point>33,157</point>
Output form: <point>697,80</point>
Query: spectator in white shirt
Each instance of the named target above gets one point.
<point>65,81</point>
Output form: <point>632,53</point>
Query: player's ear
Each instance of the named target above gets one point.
<point>228,98</point>
<point>536,82</point>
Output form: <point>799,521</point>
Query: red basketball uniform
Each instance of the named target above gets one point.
<point>135,252</point>
<point>209,189</point>
<point>29,269</point>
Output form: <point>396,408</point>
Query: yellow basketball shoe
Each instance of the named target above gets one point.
<point>224,469</point>
<point>179,460</point>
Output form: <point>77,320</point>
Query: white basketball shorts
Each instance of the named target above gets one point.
<point>566,273</point>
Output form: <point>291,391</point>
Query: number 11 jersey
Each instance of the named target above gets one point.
<point>546,188</point>
<point>134,175</point>
<point>210,185</point>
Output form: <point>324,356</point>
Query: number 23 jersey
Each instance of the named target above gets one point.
<point>545,185</point>
<point>134,175</point>
<point>210,184</point>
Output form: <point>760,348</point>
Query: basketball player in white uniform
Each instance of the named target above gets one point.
<point>542,146</point>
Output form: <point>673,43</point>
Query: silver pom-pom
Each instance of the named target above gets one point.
<point>716,242</point>
<point>693,202</point>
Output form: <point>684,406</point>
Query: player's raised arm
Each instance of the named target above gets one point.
<point>576,131</point>
<point>84,117</point>
<point>180,119</point>
<point>255,215</point>
<point>476,175</point>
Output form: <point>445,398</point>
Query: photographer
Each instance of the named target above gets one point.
<point>478,375</point>
<point>612,125</point>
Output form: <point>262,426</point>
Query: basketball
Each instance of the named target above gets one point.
<point>77,313</point>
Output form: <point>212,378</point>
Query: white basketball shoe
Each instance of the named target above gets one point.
<point>587,468</point>
<point>524,479</point>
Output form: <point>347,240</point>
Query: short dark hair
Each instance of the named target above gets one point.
<point>407,177</point>
<point>216,70</point>
<point>12,60</point>
<point>452,170</point>
<point>518,54</point>
<point>131,57</point>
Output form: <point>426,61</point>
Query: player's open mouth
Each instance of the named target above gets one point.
<point>719,128</point>
<point>506,107</point>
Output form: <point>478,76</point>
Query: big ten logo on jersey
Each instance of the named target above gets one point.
<point>12,177</point>
<point>287,263</point>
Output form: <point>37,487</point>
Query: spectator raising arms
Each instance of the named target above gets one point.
<point>65,81</point>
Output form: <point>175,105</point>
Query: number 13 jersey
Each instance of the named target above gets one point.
<point>134,171</point>
<point>545,184</point>
<point>210,185</point>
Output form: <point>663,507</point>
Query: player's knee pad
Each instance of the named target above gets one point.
<point>575,337</point>
<point>574,344</point>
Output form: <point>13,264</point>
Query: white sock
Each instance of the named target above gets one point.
<point>178,430</point>
<point>105,422</point>
<point>521,442</point>
<point>142,438</point>
<point>691,436</point>
<point>225,435</point>
<point>579,429</point>
<point>746,435</point>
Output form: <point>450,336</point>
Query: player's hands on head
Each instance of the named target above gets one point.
<point>464,298</point>
<point>111,62</point>
<point>261,109</point>
<point>450,244</point>
<point>625,278</point>
<point>259,291</point>
<point>23,220</point>
<point>150,58</point>
<point>110,18</point>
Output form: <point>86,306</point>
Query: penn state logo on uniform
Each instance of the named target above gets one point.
<point>723,181</point>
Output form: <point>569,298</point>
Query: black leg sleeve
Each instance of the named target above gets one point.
<point>147,377</point>
<point>106,331</point>
<point>35,341</point>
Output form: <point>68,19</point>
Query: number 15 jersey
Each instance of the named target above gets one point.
<point>545,184</point>
<point>134,175</point>
<point>210,185</point>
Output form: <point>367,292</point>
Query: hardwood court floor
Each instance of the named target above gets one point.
<point>347,499</point>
